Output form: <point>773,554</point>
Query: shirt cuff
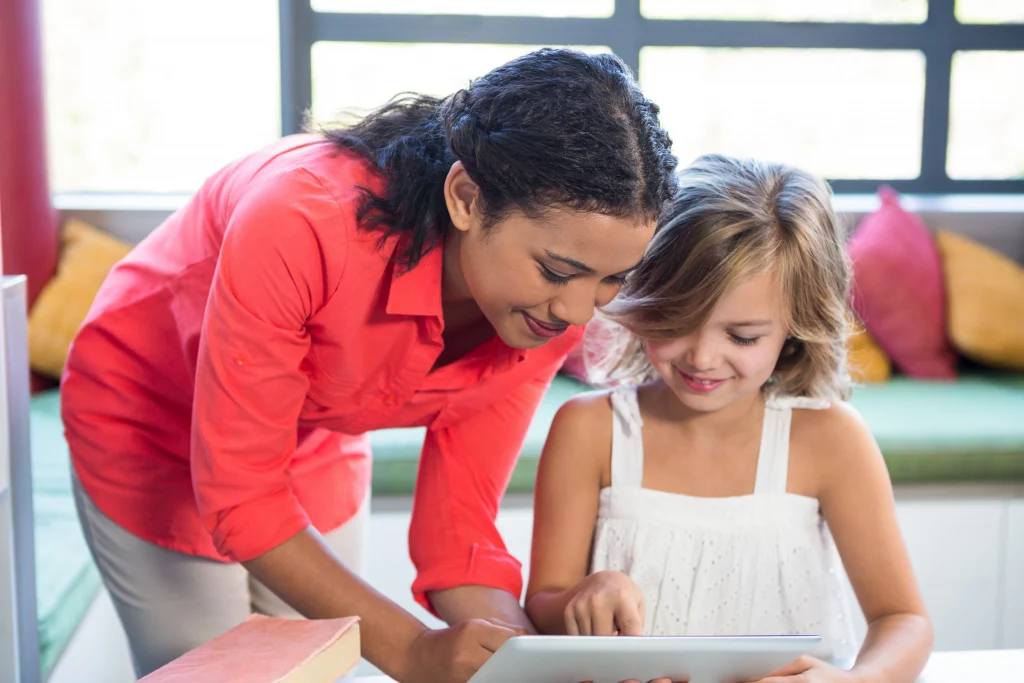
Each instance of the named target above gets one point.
<point>246,531</point>
<point>486,566</point>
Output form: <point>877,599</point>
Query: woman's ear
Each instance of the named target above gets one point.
<point>461,195</point>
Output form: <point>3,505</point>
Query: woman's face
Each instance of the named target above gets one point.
<point>533,277</point>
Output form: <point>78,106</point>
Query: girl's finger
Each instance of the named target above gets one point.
<point>629,619</point>
<point>797,666</point>
<point>603,620</point>
<point>572,627</point>
<point>583,620</point>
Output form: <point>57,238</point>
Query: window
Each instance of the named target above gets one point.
<point>986,116</point>
<point>919,94</point>
<point>990,11</point>
<point>520,8</point>
<point>428,68</point>
<point>155,96</point>
<point>843,113</point>
<point>867,11</point>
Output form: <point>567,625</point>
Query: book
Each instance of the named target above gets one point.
<point>270,650</point>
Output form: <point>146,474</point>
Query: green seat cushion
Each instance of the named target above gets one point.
<point>66,579</point>
<point>396,452</point>
<point>970,430</point>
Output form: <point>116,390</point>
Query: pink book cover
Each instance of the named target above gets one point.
<point>259,650</point>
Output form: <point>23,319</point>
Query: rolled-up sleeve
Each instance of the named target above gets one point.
<point>270,279</point>
<point>464,471</point>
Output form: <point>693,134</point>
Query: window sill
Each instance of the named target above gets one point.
<point>131,217</point>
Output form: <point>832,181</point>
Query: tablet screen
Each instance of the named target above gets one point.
<point>698,659</point>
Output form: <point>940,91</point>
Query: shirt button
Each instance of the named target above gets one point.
<point>389,400</point>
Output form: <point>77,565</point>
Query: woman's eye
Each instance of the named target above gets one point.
<point>616,279</point>
<point>744,341</point>
<point>553,277</point>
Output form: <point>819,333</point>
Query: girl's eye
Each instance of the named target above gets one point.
<point>616,279</point>
<point>744,341</point>
<point>553,277</point>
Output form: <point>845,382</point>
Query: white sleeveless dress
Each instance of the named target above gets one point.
<point>756,564</point>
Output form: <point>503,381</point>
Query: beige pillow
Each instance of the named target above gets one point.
<point>985,299</point>
<point>87,255</point>
<point>866,360</point>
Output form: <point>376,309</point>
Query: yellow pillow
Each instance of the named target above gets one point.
<point>87,255</point>
<point>866,360</point>
<point>985,299</point>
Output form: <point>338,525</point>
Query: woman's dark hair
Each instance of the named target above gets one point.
<point>556,127</point>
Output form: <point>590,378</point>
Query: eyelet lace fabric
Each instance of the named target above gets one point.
<point>760,564</point>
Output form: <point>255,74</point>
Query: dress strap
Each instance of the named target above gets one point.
<point>773,459</point>
<point>627,439</point>
<point>805,402</point>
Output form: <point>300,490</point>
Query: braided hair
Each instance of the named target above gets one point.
<point>553,128</point>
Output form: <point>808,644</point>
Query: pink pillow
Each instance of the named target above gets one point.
<point>898,289</point>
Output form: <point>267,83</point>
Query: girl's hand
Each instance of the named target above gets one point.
<point>605,604</point>
<point>809,669</point>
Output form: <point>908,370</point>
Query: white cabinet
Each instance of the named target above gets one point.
<point>1013,577</point>
<point>956,547</point>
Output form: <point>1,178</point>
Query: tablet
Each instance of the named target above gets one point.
<point>698,659</point>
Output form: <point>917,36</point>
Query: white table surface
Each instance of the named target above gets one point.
<point>983,666</point>
<point>997,666</point>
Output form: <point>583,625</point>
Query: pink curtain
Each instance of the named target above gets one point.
<point>30,231</point>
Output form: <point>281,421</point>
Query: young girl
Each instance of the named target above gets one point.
<point>705,500</point>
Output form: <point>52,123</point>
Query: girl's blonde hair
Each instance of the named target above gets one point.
<point>733,219</point>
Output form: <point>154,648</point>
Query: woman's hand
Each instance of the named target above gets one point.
<point>809,669</point>
<point>454,654</point>
<point>605,604</point>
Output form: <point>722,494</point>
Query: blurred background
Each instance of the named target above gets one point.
<point>112,112</point>
<point>155,96</point>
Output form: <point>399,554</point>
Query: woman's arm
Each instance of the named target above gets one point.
<point>857,502</point>
<point>577,452</point>
<point>481,602</point>
<point>305,573</point>
<point>463,568</point>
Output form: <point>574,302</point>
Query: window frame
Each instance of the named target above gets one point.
<point>627,31</point>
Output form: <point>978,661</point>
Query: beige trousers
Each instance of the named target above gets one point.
<point>170,602</point>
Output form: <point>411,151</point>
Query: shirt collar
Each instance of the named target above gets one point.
<point>416,291</point>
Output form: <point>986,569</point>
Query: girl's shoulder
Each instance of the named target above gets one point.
<point>582,431</point>
<point>831,442</point>
<point>824,420</point>
<point>588,411</point>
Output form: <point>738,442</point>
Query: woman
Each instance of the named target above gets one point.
<point>430,265</point>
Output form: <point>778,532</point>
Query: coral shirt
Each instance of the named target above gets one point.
<point>217,397</point>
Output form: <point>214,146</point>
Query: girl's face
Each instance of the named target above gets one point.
<point>733,355</point>
<point>533,277</point>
